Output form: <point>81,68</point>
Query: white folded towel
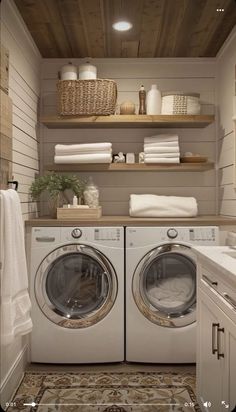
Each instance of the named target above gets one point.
<point>161,149</point>
<point>161,138</point>
<point>72,149</point>
<point>162,206</point>
<point>15,301</point>
<point>161,159</point>
<point>85,158</point>
<point>158,155</point>
<point>160,144</point>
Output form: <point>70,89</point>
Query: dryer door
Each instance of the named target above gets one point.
<point>164,286</point>
<point>75,286</point>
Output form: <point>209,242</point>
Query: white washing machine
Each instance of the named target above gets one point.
<point>77,293</point>
<point>161,292</point>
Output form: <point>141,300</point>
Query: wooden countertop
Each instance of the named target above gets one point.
<point>210,220</point>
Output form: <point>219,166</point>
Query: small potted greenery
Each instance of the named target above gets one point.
<point>57,187</point>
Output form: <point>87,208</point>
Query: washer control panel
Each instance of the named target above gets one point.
<point>111,233</point>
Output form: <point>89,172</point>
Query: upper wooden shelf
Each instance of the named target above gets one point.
<point>125,121</point>
<point>135,167</point>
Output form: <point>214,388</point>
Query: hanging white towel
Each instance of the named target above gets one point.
<point>162,160</point>
<point>161,138</point>
<point>162,206</point>
<point>72,149</point>
<point>85,158</point>
<point>15,303</point>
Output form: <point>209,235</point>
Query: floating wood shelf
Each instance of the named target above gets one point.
<point>136,167</point>
<point>127,121</point>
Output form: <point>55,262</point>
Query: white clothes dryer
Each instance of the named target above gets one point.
<point>161,292</point>
<point>77,293</point>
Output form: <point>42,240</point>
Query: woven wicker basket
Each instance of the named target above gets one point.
<point>86,97</point>
<point>180,103</point>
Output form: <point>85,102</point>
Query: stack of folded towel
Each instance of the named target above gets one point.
<point>83,153</point>
<point>162,148</point>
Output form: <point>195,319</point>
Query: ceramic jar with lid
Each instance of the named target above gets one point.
<point>68,72</point>
<point>87,71</point>
<point>91,194</point>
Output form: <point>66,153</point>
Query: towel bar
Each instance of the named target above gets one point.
<point>14,182</point>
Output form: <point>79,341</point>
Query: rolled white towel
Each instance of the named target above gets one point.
<point>161,149</point>
<point>85,158</point>
<point>71,149</point>
<point>161,138</point>
<point>162,206</point>
<point>161,160</point>
<point>158,155</point>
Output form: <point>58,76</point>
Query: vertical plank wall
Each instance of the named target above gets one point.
<point>24,87</point>
<point>188,75</point>
<point>226,64</point>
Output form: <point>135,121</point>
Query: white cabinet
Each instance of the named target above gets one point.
<point>216,344</point>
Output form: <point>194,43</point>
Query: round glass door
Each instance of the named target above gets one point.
<point>164,286</point>
<point>75,286</point>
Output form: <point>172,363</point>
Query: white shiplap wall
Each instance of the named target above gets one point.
<point>187,75</point>
<point>226,63</point>
<point>24,89</point>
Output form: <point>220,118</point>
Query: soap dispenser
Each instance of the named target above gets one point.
<point>91,194</point>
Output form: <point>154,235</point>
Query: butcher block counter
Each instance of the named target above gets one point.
<point>132,221</point>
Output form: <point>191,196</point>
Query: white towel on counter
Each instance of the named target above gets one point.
<point>158,155</point>
<point>161,138</point>
<point>15,301</point>
<point>161,149</point>
<point>162,206</point>
<point>161,160</point>
<point>85,158</point>
<point>72,149</point>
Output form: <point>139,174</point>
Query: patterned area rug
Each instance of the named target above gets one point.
<point>105,392</point>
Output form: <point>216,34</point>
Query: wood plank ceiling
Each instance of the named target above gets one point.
<point>161,28</point>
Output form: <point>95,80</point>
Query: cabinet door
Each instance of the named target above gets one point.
<point>229,383</point>
<point>209,367</point>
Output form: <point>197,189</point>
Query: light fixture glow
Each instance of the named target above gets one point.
<point>122,25</point>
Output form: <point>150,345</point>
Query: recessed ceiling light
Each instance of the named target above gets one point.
<point>220,10</point>
<point>122,25</point>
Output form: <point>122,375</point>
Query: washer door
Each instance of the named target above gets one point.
<point>75,286</point>
<point>164,286</point>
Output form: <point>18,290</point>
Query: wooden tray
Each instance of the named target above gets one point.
<point>74,213</point>
<point>193,159</point>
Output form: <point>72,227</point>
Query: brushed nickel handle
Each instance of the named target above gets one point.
<point>213,331</point>
<point>230,300</point>
<point>219,355</point>
<point>209,281</point>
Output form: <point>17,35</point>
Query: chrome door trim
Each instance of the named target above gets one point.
<point>150,312</point>
<point>47,307</point>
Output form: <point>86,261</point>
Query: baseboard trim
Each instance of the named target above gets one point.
<point>14,376</point>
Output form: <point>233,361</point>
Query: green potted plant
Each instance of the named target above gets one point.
<point>56,186</point>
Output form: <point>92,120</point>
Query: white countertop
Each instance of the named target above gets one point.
<point>216,257</point>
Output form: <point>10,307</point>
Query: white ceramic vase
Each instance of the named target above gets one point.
<point>153,103</point>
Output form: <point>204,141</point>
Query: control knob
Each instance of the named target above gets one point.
<point>172,233</point>
<point>76,233</point>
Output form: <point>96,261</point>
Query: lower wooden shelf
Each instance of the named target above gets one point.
<point>135,167</point>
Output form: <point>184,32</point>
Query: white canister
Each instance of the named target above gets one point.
<point>69,72</point>
<point>153,102</point>
<point>87,71</point>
